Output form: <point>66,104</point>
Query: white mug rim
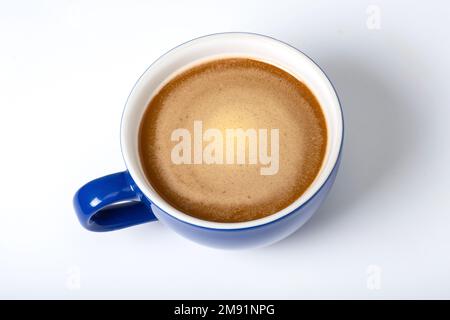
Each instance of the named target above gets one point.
<point>144,186</point>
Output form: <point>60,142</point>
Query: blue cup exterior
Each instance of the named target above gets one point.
<point>96,210</point>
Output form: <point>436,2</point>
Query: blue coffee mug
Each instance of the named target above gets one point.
<point>127,198</point>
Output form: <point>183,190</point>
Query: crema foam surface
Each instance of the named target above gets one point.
<point>231,94</point>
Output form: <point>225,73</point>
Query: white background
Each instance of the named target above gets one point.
<point>66,68</point>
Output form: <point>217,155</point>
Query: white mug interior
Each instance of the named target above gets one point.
<point>217,46</point>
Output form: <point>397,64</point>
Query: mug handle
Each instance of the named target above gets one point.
<point>110,203</point>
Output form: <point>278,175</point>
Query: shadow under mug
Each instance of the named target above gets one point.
<point>127,198</point>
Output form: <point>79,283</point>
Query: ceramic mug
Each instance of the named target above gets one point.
<point>127,198</point>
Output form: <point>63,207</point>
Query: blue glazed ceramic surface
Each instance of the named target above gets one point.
<point>97,195</point>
